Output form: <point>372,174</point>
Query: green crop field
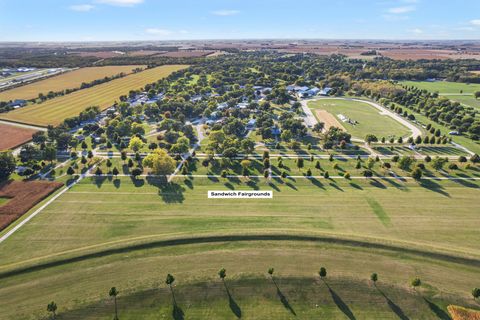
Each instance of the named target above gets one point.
<point>130,233</point>
<point>456,91</point>
<point>369,119</point>
<point>104,95</point>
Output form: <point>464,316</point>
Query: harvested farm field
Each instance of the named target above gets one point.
<point>69,80</point>
<point>22,195</point>
<point>53,112</point>
<point>187,54</point>
<point>12,136</point>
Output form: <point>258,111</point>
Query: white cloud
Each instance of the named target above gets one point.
<point>120,3</point>
<point>416,31</point>
<point>393,18</point>
<point>82,7</point>
<point>401,10</point>
<point>225,12</point>
<point>475,22</point>
<point>159,32</point>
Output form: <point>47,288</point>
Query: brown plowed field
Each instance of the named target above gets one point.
<point>12,137</point>
<point>22,195</point>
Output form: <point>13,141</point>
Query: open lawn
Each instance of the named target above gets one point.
<point>121,232</point>
<point>444,87</point>
<point>12,136</point>
<point>69,80</point>
<point>369,119</point>
<point>456,91</point>
<point>104,95</point>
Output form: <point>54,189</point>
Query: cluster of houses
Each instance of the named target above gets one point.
<point>308,92</point>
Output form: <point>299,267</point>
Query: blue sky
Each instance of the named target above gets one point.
<point>100,20</point>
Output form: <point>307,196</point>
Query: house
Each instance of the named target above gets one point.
<point>325,91</point>
<point>251,124</point>
<point>222,106</point>
<point>276,131</point>
<point>18,103</point>
<point>242,105</point>
<point>313,91</point>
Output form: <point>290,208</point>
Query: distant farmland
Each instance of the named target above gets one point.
<point>69,80</point>
<point>104,95</point>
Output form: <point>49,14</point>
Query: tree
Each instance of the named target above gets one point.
<point>222,274</point>
<point>374,278</point>
<point>7,165</point>
<point>438,163</point>
<point>135,144</point>
<point>416,282</point>
<point>368,173</point>
<point>309,173</point>
<point>475,158</point>
<point>322,273</point>
<point>70,171</point>
<point>50,152</point>
<point>417,173</point>
<point>270,272</point>
<point>115,171</point>
<point>326,175</point>
<point>113,293</point>
<point>369,138</point>
<point>370,163</point>
<point>405,162</point>
<point>52,307</point>
<point>475,293</point>
<point>300,163</point>
<point>170,280</point>
<point>136,172</point>
<point>160,162</point>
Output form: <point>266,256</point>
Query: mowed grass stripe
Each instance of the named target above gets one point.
<point>80,219</point>
<point>104,95</point>
<point>69,80</point>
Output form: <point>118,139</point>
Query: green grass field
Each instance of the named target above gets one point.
<point>370,121</point>
<point>456,91</point>
<point>104,95</point>
<point>107,232</point>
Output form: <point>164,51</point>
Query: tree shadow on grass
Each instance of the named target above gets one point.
<point>437,310</point>
<point>212,178</point>
<point>273,186</point>
<point>375,183</point>
<point>229,185</point>
<point>232,303</point>
<point>189,183</point>
<point>117,183</point>
<point>137,182</point>
<point>169,191</point>
<point>435,187</point>
<point>356,186</point>
<point>394,307</point>
<point>290,185</point>
<point>316,183</point>
<point>334,185</point>
<point>99,181</point>
<point>252,184</point>
<point>341,304</point>
<point>283,299</point>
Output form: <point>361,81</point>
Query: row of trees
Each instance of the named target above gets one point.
<point>222,274</point>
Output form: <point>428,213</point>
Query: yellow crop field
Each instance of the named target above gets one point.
<point>53,112</point>
<point>68,80</point>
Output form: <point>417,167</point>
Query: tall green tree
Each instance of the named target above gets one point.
<point>52,308</point>
<point>113,293</point>
<point>322,273</point>
<point>7,165</point>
